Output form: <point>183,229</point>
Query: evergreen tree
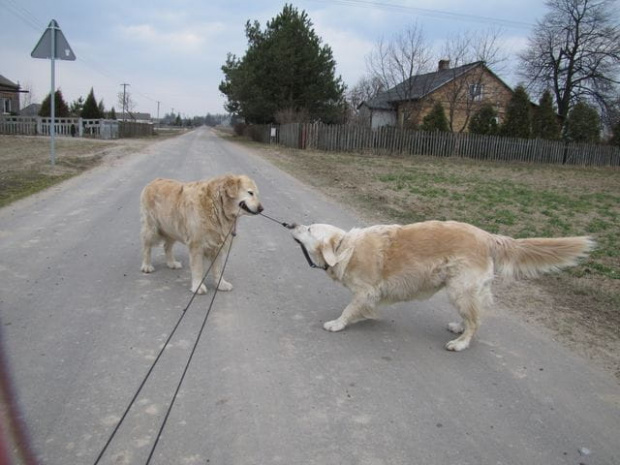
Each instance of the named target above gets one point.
<point>545,121</point>
<point>484,121</point>
<point>91,109</point>
<point>436,119</point>
<point>76,106</point>
<point>112,114</point>
<point>518,122</point>
<point>61,109</point>
<point>284,68</point>
<point>583,124</point>
<point>101,107</point>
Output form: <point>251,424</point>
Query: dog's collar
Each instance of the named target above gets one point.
<point>308,259</point>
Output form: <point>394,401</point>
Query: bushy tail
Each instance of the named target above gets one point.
<point>531,257</point>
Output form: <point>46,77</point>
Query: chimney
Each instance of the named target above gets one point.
<point>443,65</point>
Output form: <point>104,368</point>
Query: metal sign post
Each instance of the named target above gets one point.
<point>53,45</point>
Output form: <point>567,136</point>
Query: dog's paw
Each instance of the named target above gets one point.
<point>174,265</point>
<point>224,286</point>
<point>201,290</point>
<point>334,325</point>
<point>456,328</point>
<point>457,345</point>
<point>147,268</point>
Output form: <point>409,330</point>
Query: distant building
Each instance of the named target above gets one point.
<point>135,116</point>
<point>31,110</point>
<point>9,96</point>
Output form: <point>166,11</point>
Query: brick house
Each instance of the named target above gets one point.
<point>9,97</point>
<point>461,90</point>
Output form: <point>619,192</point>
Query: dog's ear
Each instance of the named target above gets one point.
<point>328,251</point>
<point>231,186</point>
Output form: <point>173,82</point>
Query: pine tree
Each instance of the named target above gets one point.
<point>286,67</point>
<point>518,122</point>
<point>583,124</point>
<point>484,121</point>
<point>61,109</point>
<point>112,114</point>
<point>545,121</point>
<point>436,119</point>
<point>91,108</point>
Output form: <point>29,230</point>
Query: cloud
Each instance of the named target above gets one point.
<point>190,40</point>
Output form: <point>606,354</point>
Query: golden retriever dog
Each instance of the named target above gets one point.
<point>393,263</point>
<point>199,214</point>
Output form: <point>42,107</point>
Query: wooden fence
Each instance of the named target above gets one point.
<point>394,141</point>
<point>74,127</point>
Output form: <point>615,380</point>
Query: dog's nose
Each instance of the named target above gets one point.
<point>260,208</point>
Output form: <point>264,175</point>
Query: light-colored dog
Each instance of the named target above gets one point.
<point>383,264</point>
<point>199,214</point>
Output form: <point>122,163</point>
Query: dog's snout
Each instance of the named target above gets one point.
<point>260,208</point>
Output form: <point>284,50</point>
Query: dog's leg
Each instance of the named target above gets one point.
<point>217,272</point>
<point>469,304</point>
<point>360,308</point>
<point>196,264</point>
<point>170,261</point>
<point>148,241</point>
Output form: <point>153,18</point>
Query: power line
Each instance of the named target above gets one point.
<point>441,14</point>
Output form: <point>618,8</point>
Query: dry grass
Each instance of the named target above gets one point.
<point>25,165</point>
<point>580,307</point>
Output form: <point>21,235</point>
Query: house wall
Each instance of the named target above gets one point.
<point>457,102</point>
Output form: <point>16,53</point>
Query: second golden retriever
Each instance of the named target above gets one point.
<point>199,214</point>
<point>384,264</point>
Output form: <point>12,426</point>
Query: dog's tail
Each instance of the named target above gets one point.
<point>531,257</point>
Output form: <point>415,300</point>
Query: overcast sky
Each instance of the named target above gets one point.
<point>171,51</point>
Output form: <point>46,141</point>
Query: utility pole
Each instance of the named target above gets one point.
<point>124,98</point>
<point>158,114</point>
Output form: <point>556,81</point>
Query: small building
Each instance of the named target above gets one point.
<point>461,91</point>
<point>9,97</point>
<point>30,110</point>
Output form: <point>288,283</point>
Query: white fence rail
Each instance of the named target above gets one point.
<point>73,127</point>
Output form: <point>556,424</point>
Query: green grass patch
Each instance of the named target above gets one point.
<point>15,186</point>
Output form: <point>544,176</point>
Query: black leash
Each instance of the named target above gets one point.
<point>148,374</point>
<point>303,247</point>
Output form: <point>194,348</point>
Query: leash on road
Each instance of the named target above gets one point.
<point>148,374</point>
<point>303,247</point>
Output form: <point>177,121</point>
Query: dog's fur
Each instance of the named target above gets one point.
<point>199,214</point>
<point>383,264</point>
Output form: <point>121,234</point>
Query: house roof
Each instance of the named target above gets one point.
<point>418,86</point>
<point>30,110</point>
<point>4,82</point>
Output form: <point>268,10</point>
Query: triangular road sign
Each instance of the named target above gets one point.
<point>44,47</point>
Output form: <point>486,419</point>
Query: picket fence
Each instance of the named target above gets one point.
<point>73,127</point>
<point>394,141</point>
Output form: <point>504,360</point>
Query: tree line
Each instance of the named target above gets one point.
<point>570,67</point>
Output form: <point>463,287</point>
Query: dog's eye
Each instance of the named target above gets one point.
<point>251,193</point>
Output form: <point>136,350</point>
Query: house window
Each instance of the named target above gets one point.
<point>5,105</point>
<point>476,91</point>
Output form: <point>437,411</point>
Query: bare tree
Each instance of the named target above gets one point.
<point>28,96</point>
<point>575,51</point>
<point>126,103</point>
<point>397,65</point>
<point>466,93</point>
<point>366,89</point>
